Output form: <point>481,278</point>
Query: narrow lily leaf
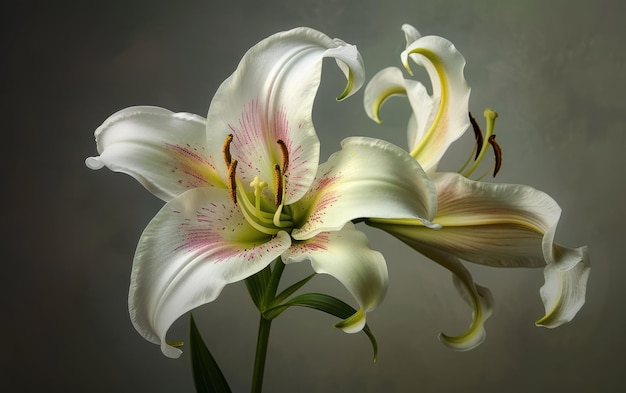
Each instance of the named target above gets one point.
<point>328,304</point>
<point>292,289</point>
<point>207,375</point>
<point>256,285</point>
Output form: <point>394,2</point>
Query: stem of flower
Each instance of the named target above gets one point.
<point>265,326</point>
<point>260,355</point>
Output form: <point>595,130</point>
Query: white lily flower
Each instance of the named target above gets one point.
<point>500,225</point>
<point>244,186</point>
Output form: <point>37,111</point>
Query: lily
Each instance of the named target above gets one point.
<point>244,187</point>
<point>499,225</point>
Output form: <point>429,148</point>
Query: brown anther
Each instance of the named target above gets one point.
<point>232,184</point>
<point>284,155</point>
<point>278,183</point>
<point>226,150</point>
<point>478,134</point>
<point>497,151</point>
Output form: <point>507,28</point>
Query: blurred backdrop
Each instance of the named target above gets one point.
<point>555,72</point>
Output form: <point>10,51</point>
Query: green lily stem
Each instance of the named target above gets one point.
<point>260,355</point>
<point>265,326</point>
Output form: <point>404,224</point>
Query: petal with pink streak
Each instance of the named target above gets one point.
<point>165,151</point>
<point>255,147</point>
<point>270,96</point>
<point>367,178</point>
<point>194,246</point>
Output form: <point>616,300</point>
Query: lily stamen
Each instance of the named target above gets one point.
<point>469,158</point>
<point>490,117</point>
<point>497,151</point>
<point>278,183</point>
<point>284,155</point>
<point>263,221</point>
<point>226,150</point>
<point>478,134</point>
<point>232,186</point>
<point>479,140</point>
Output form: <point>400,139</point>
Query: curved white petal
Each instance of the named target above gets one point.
<point>367,178</point>
<point>563,293</point>
<point>194,246</point>
<point>478,297</point>
<point>165,151</point>
<point>390,82</point>
<point>346,255</point>
<point>501,225</point>
<point>350,62</point>
<point>270,97</point>
<point>444,65</point>
<point>411,34</point>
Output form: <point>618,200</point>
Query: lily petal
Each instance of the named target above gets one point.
<point>270,97</point>
<point>411,34</point>
<point>390,82</point>
<point>437,120</point>
<point>165,151</point>
<point>367,178</point>
<point>346,255</point>
<point>444,65</point>
<point>563,293</point>
<point>502,225</point>
<point>478,297</point>
<point>194,246</point>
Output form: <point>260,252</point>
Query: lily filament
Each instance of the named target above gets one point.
<point>264,216</point>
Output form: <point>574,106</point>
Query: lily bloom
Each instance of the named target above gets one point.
<point>244,186</point>
<point>499,225</point>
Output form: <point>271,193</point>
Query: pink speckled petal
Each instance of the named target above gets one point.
<point>165,151</point>
<point>194,246</point>
<point>367,178</point>
<point>269,97</point>
<point>346,255</point>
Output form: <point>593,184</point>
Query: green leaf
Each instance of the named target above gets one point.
<point>289,291</point>
<point>207,375</point>
<point>328,304</point>
<point>257,284</point>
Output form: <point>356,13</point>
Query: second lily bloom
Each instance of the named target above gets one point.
<point>499,225</point>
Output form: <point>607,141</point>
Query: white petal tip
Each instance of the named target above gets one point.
<point>563,294</point>
<point>410,33</point>
<point>465,342</point>
<point>170,351</point>
<point>354,323</point>
<point>94,163</point>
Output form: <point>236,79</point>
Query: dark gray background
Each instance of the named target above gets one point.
<point>553,70</point>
